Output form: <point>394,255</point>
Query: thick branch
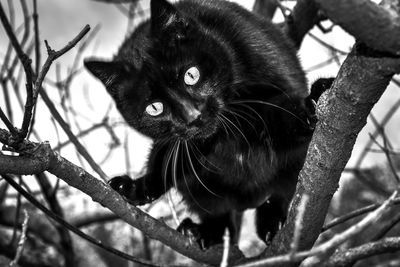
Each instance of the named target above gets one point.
<point>103,194</point>
<point>302,19</point>
<point>377,26</point>
<point>342,112</point>
<point>265,8</point>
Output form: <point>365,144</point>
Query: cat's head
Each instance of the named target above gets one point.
<point>171,78</point>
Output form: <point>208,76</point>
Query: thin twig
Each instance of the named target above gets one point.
<point>17,213</point>
<point>22,239</point>
<point>52,55</point>
<point>81,134</point>
<point>81,149</point>
<point>27,23</point>
<point>354,214</point>
<point>225,253</point>
<point>351,255</point>
<point>9,125</point>
<point>386,226</point>
<point>25,60</point>
<point>37,37</point>
<point>54,205</point>
<point>329,46</point>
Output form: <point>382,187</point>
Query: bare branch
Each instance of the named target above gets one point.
<point>7,123</point>
<point>48,257</point>
<point>22,239</point>
<point>53,203</point>
<point>37,37</point>
<point>225,254</point>
<point>376,26</point>
<point>353,214</point>
<point>52,55</point>
<point>102,193</point>
<point>25,60</point>
<point>302,19</point>
<point>328,245</point>
<point>342,113</point>
<point>265,8</point>
<point>343,258</point>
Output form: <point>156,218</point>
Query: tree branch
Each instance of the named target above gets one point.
<point>377,26</point>
<point>343,258</point>
<point>265,8</point>
<point>103,194</point>
<point>321,249</point>
<point>342,113</point>
<point>302,19</point>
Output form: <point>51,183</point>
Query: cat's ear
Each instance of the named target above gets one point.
<point>164,16</point>
<point>110,73</point>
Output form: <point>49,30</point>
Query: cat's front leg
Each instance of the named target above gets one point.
<point>136,192</point>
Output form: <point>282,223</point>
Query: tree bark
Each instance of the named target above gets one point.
<point>342,113</point>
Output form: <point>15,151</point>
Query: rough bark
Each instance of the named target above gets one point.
<point>342,113</point>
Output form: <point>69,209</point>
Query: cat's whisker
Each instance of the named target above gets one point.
<point>188,187</point>
<point>237,128</point>
<point>228,127</point>
<point>263,86</point>
<point>199,160</point>
<point>201,155</point>
<point>242,112</point>
<point>174,162</point>
<point>271,105</point>
<point>195,173</point>
<point>256,113</point>
<point>235,115</point>
<point>223,125</point>
<point>166,163</point>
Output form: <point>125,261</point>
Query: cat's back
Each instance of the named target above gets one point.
<point>259,50</point>
<point>262,48</point>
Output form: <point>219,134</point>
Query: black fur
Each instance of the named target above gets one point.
<point>246,147</point>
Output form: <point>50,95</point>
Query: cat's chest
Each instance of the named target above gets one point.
<point>245,167</point>
<point>241,176</point>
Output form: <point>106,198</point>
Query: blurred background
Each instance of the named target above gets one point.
<point>117,149</point>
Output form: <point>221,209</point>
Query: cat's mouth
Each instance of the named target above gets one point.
<point>203,131</point>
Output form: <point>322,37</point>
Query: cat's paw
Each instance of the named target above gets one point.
<point>193,232</point>
<point>318,87</point>
<point>131,190</point>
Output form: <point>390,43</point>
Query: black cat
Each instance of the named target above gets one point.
<point>222,94</point>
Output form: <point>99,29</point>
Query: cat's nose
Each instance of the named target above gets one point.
<point>192,115</point>
<point>192,112</point>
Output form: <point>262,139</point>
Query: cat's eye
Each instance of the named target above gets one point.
<point>192,76</point>
<point>155,109</point>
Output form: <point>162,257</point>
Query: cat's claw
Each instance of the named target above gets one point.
<point>192,231</point>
